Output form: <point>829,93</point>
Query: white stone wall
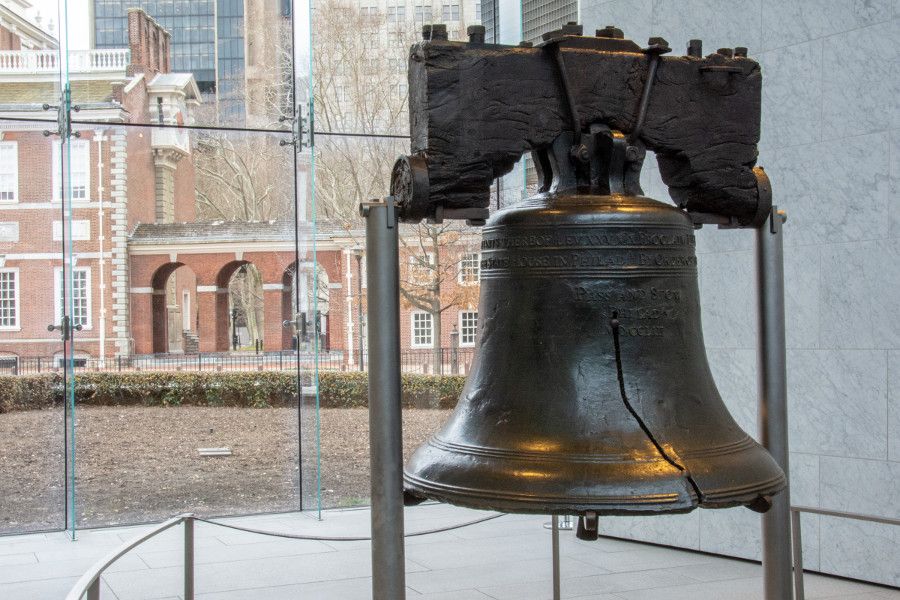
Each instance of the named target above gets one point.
<point>831,83</point>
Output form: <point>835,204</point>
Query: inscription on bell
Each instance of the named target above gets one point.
<point>588,239</point>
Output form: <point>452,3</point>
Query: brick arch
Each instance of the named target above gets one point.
<point>212,270</point>
<point>159,312</point>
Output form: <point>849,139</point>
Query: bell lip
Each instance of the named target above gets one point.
<point>419,488</point>
<point>499,502</point>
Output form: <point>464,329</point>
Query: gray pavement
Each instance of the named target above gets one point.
<point>503,559</point>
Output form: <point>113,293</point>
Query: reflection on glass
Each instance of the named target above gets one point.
<point>360,73</point>
<point>32,412</point>
<point>238,53</point>
<point>189,342</point>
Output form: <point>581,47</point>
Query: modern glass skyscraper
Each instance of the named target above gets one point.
<point>207,40</point>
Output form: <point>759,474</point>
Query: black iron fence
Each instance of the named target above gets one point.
<point>426,360</point>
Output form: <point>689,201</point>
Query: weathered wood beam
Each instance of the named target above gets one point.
<point>475,109</point>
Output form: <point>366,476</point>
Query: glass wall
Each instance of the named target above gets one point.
<point>196,248</point>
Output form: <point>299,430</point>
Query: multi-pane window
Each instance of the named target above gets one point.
<point>423,13</point>
<point>421,267</point>
<point>78,167</point>
<point>9,172</point>
<point>368,11</point>
<point>422,330</point>
<point>478,12</point>
<point>469,269</point>
<point>396,14</point>
<point>9,299</point>
<point>450,12</point>
<point>77,298</point>
<point>468,327</point>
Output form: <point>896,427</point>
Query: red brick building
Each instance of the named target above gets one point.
<point>114,178</point>
<point>142,274</point>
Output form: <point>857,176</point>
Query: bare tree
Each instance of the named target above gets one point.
<point>360,87</point>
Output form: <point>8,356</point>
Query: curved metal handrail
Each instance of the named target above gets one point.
<point>89,583</point>
<point>797,542</point>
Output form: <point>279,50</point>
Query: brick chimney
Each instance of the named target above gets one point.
<point>149,44</point>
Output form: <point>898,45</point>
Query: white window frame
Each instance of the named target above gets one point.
<point>17,306</point>
<point>461,270</point>
<point>417,272</point>
<point>462,342</point>
<point>412,330</point>
<point>87,323</point>
<point>11,169</point>
<point>80,152</point>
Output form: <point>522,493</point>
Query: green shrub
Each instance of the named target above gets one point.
<point>256,389</point>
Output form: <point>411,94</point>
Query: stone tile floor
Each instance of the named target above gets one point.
<point>503,559</point>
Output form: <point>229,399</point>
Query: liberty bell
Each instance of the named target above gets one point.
<point>590,393</point>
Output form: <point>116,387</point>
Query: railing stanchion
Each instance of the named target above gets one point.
<point>189,557</point>
<point>797,551</point>
<point>93,592</point>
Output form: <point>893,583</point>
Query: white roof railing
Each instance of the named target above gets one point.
<point>32,62</point>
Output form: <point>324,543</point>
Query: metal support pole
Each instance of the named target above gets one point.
<point>555,536</point>
<point>773,427</point>
<point>189,557</point>
<point>93,592</point>
<point>797,545</point>
<point>385,425</point>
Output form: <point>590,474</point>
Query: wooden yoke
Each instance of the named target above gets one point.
<point>476,108</point>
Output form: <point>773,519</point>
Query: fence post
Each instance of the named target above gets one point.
<point>39,364</point>
<point>199,361</point>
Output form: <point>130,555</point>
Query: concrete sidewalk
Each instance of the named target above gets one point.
<point>504,559</point>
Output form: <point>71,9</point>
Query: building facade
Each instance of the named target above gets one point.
<point>80,198</point>
<point>239,51</point>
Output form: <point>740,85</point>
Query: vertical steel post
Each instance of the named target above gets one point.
<point>797,545</point>
<point>385,425</point>
<point>93,592</point>
<point>773,423</point>
<point>555,536</point>
<point>189,557</point>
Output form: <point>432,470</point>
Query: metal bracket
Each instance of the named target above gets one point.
<point>300,129</point>
<point>390,213</point>
<point>63,115</point>
<point>66,330</point>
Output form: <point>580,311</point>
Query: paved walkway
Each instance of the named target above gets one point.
<point>504,559</point>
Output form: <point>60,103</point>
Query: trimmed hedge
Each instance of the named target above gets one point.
<point>255,389</point>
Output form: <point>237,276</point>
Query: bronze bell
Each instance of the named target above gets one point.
<point>590,393</point>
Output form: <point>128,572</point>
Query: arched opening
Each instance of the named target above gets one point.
<point>312,299</point>
<point>174,310</point>
<point>241,308</point>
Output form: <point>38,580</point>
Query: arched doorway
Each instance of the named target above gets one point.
<point>174,310</point>
<point>240,307</point>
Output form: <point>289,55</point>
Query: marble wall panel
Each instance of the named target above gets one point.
<point>802,294</point>
<point>834,191</point>
<point>846,486</point>
<point>869,551</point>
<point>792,94</point>
<point>673,530</point>
<point>728,302</point>
<point>791,23</point>
<point>860,85</point>
<point>718,24</point>
<point>860,296</point>
<point>837,402</point>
